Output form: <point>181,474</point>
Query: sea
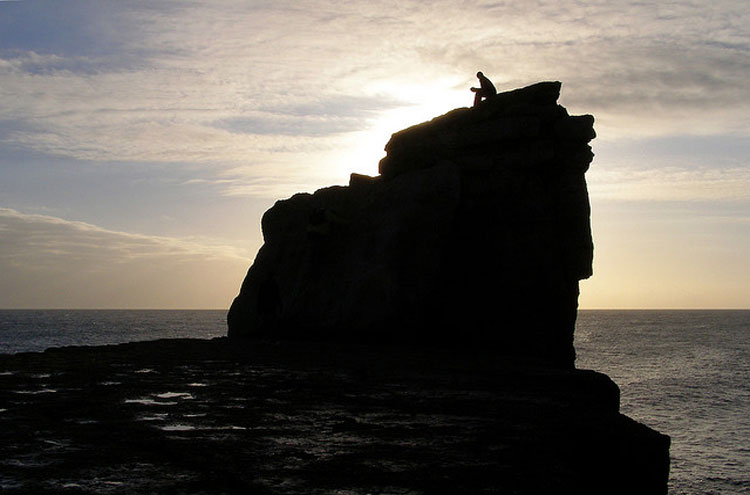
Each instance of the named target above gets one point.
<point>683,373</point>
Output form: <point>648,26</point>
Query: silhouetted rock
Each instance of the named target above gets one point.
<point>229,417</point>
<point>472,239</point>
<point>469,246</point>
<point>475,233</point>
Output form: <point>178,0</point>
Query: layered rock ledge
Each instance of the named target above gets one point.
<point>227,417</point>
<point>476,233</point>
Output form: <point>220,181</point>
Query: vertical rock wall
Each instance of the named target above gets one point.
<point>476,233</point>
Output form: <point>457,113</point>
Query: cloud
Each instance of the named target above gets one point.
<point>267,98</point>
<point>51,262</point>
<point>283,85</point>
<point>231,57</point>
<point>678,168</point>
<point>671,184</point>
<point>83,36</point>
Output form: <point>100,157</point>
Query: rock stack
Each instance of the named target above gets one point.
<point>467,248</point>
<point>476,233</point>
<point>464,256</point>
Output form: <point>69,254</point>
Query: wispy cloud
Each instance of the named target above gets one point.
<point>672,184</point>
<point>678,168</point>
<point>89,265</point>
<point>225,81</point>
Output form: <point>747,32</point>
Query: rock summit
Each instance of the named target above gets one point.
<point>475,233</point>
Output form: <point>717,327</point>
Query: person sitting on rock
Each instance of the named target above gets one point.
<point>485,90</point>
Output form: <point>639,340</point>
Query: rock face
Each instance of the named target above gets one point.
<point>476,233</point>
<point>220,417</point>
<point>471,242</point>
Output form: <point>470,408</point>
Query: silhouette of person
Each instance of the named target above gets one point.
<point>485,89</point>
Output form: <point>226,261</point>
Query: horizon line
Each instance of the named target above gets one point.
<point>227,309</point>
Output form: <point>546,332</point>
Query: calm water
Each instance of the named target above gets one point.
<point>684,373</point>
<point>36,330</point>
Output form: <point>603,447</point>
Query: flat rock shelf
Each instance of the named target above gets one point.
<point>199,416</point>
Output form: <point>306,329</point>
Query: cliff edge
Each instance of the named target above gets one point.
<point>469,247</point>
<point>476,233</point>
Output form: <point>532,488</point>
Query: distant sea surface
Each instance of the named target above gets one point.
<point>36,330</point>
<point>683,373</point>
<point>686,374</point>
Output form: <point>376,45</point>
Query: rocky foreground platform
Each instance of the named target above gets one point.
<point>215,417</point>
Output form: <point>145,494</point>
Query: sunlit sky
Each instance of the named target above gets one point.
<point>140,142</point>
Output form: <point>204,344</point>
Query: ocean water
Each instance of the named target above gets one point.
<point>684,373</point>
<point>37,330</point>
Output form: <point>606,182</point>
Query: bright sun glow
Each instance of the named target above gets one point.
<point>364,149</point>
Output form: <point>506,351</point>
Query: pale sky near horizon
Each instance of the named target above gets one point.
<point>140,142</point>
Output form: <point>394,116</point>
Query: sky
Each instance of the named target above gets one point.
<point>141,142</point>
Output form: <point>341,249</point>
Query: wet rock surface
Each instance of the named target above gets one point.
<point>191,416</point>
